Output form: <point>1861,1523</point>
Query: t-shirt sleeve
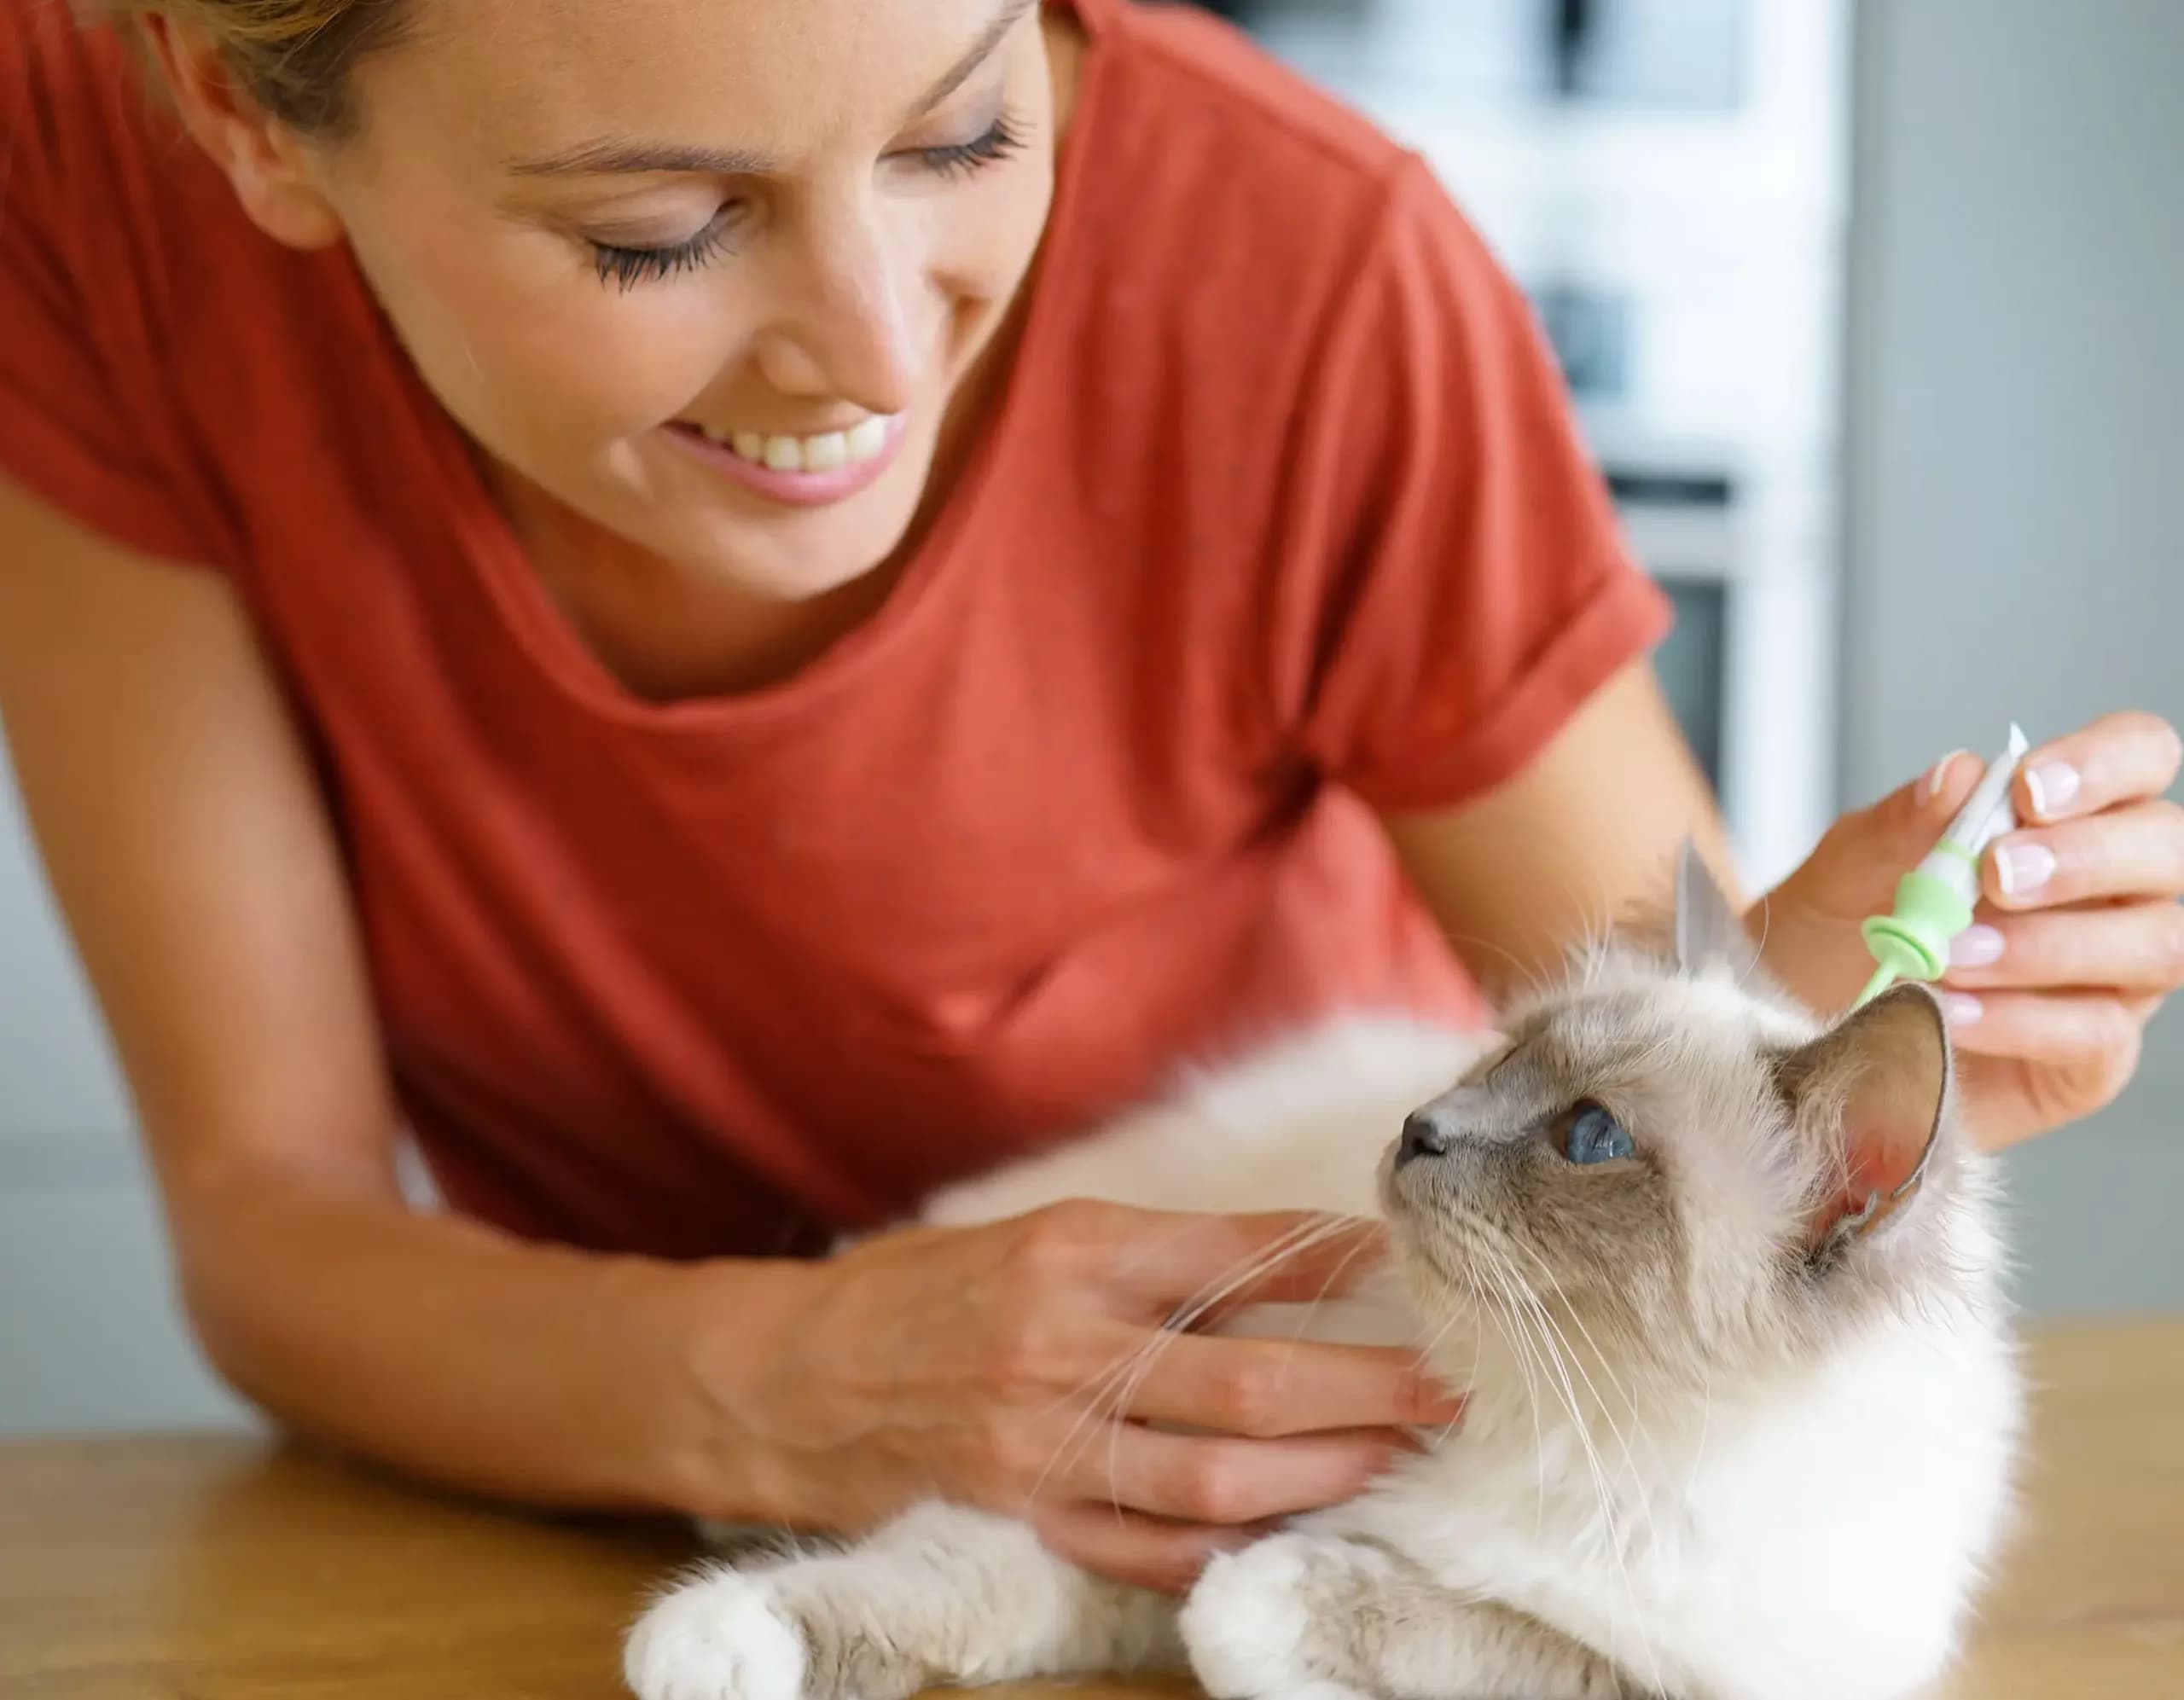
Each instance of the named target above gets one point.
<point>76,428</point>
<point>1456,583</point>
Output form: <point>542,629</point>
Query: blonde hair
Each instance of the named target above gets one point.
<point>292,56</point>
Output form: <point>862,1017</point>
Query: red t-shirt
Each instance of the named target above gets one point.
<point>1280,520</point>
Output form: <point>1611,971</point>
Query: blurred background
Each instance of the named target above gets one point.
<point>1875,316</point>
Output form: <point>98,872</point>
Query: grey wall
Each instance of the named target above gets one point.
<point>2017,449</point>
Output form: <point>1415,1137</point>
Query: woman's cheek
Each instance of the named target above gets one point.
<point>621,362</point>
<point>570,360</point>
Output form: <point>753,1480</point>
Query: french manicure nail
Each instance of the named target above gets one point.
<point>1961,1010</point>
<point>1976,947</point>
<point>2052,786</point>
<point>1937,775</point>
<point>2024,868</point>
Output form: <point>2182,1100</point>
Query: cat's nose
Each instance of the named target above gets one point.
<point>1425,1132</point>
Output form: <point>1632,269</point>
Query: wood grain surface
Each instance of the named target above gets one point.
<point>220,1568</point>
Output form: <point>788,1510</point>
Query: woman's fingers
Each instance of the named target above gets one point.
<point>1208,1266</point>
<point>2119,758</point>
<point>1218,1479</point>
<point>1158,1263</point>
<point>2049,1027</point>
<point>1141,1550</point>
<point>2128,946</point>
<point>1269,1388</point>
<point>2132,851</point>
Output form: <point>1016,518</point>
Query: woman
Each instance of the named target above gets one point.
<point>725,612</point>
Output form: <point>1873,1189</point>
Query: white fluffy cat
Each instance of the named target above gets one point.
<point>1721,1282</point>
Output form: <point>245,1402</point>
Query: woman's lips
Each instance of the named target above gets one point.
<point>802,471</point>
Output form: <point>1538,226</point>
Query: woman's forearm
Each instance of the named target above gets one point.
<point>481,1361</point>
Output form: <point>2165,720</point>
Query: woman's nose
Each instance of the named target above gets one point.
<point>846,332</point>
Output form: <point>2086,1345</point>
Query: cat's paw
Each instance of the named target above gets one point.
<point>719,1638</point>
<point>1244,1623</point>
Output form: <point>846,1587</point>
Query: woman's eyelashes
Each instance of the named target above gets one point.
<point>626,265</point>
<point>1004,138</point>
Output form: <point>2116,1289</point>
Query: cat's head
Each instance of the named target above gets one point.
<point>1674,1158</point>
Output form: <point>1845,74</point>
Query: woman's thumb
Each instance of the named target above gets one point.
<point>1853,872</point>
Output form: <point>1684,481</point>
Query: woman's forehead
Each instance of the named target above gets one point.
<point>529,80</point>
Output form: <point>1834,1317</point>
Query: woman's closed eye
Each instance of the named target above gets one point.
<point>1594,1135</point>
<point>627,264</point>
<point>1004,137</point>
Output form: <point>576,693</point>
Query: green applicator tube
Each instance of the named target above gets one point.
<point>1934,902</point>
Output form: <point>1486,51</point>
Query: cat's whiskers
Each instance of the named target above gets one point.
<point>1705,1426</point>
<point>1521,1347</point>
<point>1311,1307</point>
<point>1550,1324</point>
<point>1104,1398</point>
<point>1305,1237</point>
<point>1472,1237</point>
<point>1093,1396</point>
<point>1563,1359</point>
<point>1759,948</point>
<point>1600,1357</point>
<point>1309,1236</point>
<point>1488,1313</point>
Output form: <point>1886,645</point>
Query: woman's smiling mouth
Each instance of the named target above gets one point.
<point>821,467</point>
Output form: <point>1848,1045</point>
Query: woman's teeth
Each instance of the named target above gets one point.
<point>828,451</point>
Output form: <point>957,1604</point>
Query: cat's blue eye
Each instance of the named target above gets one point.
<point>1596,1136</point>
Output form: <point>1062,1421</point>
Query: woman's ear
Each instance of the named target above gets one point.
<point>264,162</point>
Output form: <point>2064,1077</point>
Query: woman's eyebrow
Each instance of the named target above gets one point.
<point>628,153</point>
<point>623,154</point>
<point>981,50</point>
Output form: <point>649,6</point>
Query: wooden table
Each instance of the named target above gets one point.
<point>220,1569</point>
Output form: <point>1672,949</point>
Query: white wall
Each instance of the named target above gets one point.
<point>2016,450</point>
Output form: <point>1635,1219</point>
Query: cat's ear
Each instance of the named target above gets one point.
<point>1874,1093</point>
<point>1708,929</point>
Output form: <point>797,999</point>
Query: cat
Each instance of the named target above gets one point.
<point>1722,1283</point>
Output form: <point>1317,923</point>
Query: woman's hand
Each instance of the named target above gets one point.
<point>2078,938</point>
<point>1016,1366</point>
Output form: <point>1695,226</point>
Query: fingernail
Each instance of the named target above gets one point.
<point>1937,775</point>
<point>2024,868</point>
<point>1975,947</point>
<point>2052,786</point>
<point>1961,1010</point>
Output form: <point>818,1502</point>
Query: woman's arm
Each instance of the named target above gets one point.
<point>1591,826</point>
<point>182,832</point>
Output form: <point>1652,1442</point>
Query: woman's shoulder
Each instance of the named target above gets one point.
<point>1196,124</point>
<point>161,351</point>
<point>1233,246</point>
<point>96,170</point>
<point>1184,62</point>
<point>79,118</point>
<point>1217,194</point>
